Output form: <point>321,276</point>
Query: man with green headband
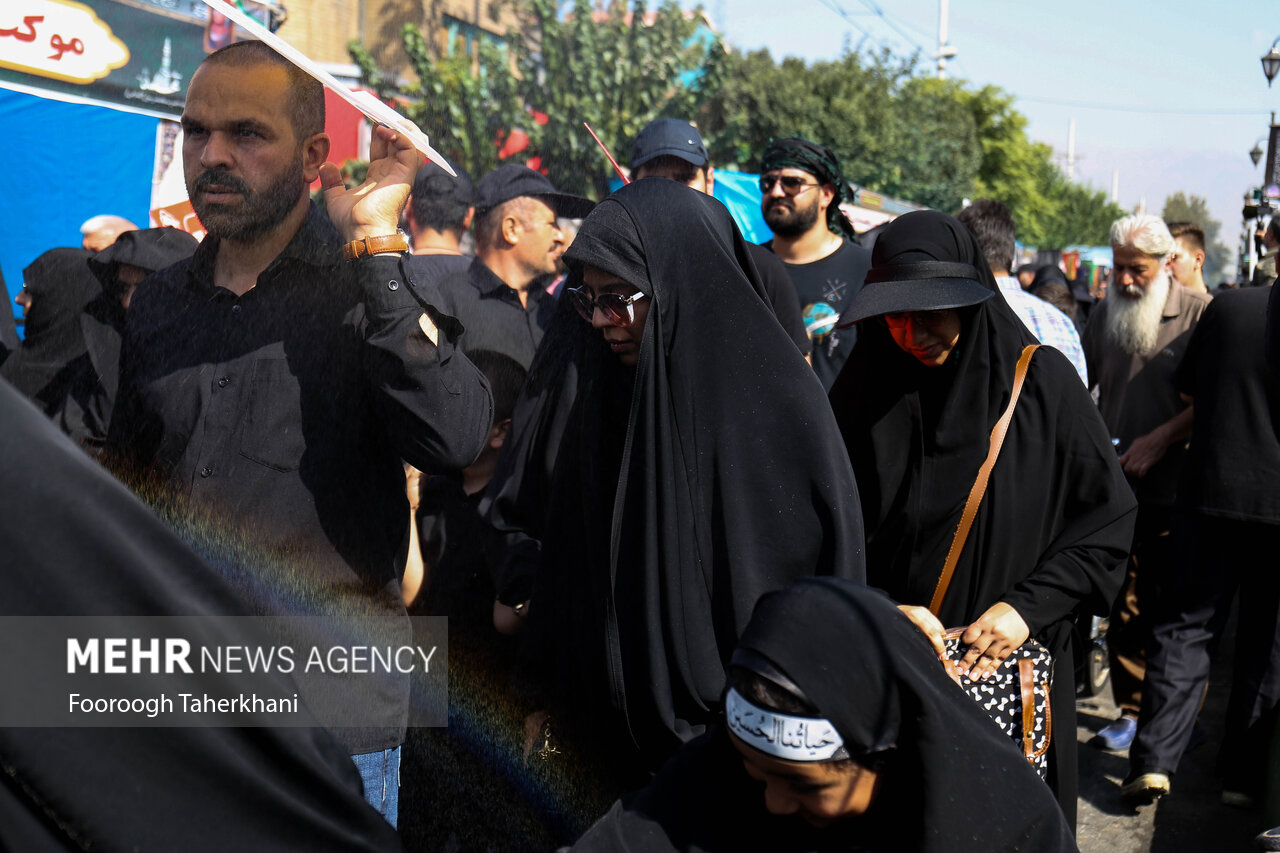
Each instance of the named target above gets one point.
<point>802,187</point>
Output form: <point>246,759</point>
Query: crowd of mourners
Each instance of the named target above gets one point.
<point>728,536</point>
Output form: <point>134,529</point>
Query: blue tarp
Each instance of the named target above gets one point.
<point>66,162</point>
<point>740,193</point>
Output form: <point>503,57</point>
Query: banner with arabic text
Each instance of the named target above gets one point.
<point>136,55</point>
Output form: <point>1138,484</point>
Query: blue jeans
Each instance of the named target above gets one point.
<point>380,773</point>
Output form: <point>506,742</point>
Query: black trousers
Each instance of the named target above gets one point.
<point>1188,608</point>
<point>1129,633</point>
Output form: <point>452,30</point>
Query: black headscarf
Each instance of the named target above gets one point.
<point>78,543</point>
<point>60,285</point>
<point>149,249</point>
<point>949,780</point>
<point>85,411</point>
<point>794,152</point>
<point>1055,525</point>
<point>668,498</point>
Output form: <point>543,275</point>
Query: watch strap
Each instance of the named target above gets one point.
<point>374,245</point>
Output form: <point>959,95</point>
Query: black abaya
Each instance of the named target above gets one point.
<point>670,497</point>
<point>61,285</point>
<point>77,543</point>
<point>949,780</point>
<point>1053,531</point>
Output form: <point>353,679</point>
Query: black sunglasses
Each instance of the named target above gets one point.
<point>791,185</point>
<point>615,307</point>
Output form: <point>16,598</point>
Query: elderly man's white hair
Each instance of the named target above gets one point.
<point>1144,232</point>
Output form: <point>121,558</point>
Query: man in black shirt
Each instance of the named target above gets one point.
<point>803,186</point>
<point>518,241</point>
<point>1226,545</point>
<point>440,211</point>
<point>672,148</point>
<point>269,388</point>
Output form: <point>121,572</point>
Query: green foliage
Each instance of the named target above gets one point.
<point>463,109</point>
<point>1180,207</point>
<point>903,133</point>
<point>895,129</point>
<point>616,75</point>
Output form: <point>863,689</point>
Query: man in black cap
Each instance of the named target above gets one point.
<point>672,148</point>
<point>802,187</point>
<point>517,242</point>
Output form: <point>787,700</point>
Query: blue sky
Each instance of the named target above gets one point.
<point>1170,94</point>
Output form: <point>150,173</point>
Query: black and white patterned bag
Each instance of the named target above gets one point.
<point>1016,697</point>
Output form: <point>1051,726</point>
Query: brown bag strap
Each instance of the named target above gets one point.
<point>980,484</point>
<point>1027,687</point>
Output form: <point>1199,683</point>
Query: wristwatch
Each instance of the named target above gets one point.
<point>374,245</point>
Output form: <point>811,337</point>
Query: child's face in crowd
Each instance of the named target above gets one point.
<point>818,793</point>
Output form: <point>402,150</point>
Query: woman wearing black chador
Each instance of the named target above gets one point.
<point>931,374</point>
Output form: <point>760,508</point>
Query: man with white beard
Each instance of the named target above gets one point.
<point>1133,345</point>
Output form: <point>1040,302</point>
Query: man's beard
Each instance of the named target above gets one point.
<point>791,223</point>
<point>258,211</point>
<point>1133,324</point>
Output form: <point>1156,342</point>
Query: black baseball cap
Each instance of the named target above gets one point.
<point>672,137</point>
<point>513,180</point>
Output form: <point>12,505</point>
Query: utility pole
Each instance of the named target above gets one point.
<point>945,51</point>
<point>1115,186</point>
<point>1071,150</point>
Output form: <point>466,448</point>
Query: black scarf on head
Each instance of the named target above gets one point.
<point>794,152</point>
<point>60,285</point>
<point>91,397</point>
<point>1054,528</point>
<point>710,474</point>
<point>949,780</point>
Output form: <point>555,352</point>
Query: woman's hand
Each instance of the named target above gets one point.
<point>928,623</point>
<point>993,637</point>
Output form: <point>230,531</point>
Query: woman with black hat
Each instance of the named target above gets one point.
<point>931,375</point>
<point>841,732</point>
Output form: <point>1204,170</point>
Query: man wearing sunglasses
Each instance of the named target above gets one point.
<point>802,187</point>
<point>518,240</point>
<point>672,148</point>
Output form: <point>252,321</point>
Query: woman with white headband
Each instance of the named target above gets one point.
<point>842,732</point>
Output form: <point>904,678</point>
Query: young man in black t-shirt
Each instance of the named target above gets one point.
<point>802,187</point>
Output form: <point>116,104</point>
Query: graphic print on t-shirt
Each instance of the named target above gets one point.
<point>821,318</point>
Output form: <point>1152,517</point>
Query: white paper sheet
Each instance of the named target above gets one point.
<point>374,109</point>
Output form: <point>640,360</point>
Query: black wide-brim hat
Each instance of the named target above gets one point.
<point>920,286</point>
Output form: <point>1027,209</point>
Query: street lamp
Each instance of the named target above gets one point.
<point>1256,153</point>
<point>1271,62</point>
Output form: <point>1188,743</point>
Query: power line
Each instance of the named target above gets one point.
<point>878,12</point>
<point>848,18</point>
<point>835,7</point>
<point>1085,105</point>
